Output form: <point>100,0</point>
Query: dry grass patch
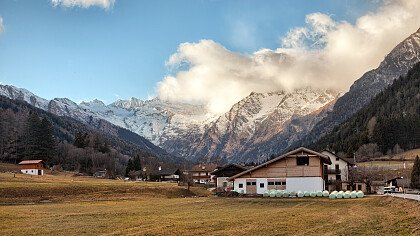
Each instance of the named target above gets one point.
<point>147,209</point>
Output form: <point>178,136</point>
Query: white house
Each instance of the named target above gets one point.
<point>337,173</point>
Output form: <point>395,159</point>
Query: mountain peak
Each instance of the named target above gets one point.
<point>94,102</point>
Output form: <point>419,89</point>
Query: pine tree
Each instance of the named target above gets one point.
<point>136,163</point>
<point>129,167</point>
<point>415,174</point>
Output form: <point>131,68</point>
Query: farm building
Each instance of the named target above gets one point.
<point>221,175</point>
<point>32,167</point>
<point>172,175</point>
<point>298,170</point>
<point>201,173</point>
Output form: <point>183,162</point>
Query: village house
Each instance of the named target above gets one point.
<point>201,173</point>
<point>298,170</point>
<point>32,167</point>
<point>170,175</point>
<point>222,174</point>
<point>336,175</point>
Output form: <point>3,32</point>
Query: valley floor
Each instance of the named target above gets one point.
<point>75,205</point>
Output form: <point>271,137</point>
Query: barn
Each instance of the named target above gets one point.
<point>32,167</point>
<point>298,170</point>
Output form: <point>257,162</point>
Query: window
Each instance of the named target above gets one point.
<point>241,185</point>
<point>359,187</point>
<point>302,161</point>
<point>283,183</point>
<point>337,167</point>
<point>251,183</point>
<point>338,177</point>
<point>224,184</point>
<point>261,185</point>
<point>337,158</point>
<point>278,183</point>
<point>271,183</point>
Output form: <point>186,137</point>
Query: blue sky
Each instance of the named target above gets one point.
<point>84,53</point>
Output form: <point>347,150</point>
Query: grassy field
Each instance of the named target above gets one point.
<point>108,207</point>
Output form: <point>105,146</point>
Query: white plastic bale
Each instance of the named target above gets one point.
<point>313,194</point>
<point>300,194</point>
<point>293,194</point>
<point>339,194</point>
<point>286,194</point>
<point>335,192</point>
<point>325,193</point>
<point>266,194</point>
<point>360,194</point>
<point>319,193</point>
<point>346,195</point>
<point>279,193</point>
<point>272,193</point>
<point>333,195</point>
<point>307,193</point>
<point>353,194</point>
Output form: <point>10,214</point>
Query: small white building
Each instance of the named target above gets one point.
<point>298,170</point>
<point>32,167</point>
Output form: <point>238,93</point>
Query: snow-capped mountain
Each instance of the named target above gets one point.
<point>395,64</point>
<point>254,120</point>
<point>190,130</point>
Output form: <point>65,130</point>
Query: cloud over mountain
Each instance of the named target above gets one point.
<point>323,54</point>
<point>106,4</point>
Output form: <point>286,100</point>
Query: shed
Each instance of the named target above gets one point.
<point>32,167</point>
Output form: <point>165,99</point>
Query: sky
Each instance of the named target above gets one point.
<point>211,52</point>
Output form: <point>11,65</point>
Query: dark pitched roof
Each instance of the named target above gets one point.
<point>323,157</point>
<point>203,167</point>
<point>227,166</point>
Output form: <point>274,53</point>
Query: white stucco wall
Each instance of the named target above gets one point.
<point>31,171</point>
<point>292,184</point>
<point>304,184</point>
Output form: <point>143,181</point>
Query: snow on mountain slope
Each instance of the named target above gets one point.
<point>254,119</point>
<point>21,94</point>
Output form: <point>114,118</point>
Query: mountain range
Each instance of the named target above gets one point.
<point>256,127</point>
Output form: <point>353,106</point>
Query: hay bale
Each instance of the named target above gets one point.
<point>279,193</point>
<point>286,194</point>
<point>333,195</point>
<point>340,194</point>
<point>325,193</point>
<point>266,194</point>
<point>346,194</point>
<point>360,194</point>
<point>319,193</point>
<point>353,194</point>
<point>307,193</point>
<point>293,194</point>
<point>313,194</point>
<point>273,193</point>
<point>300,194</point>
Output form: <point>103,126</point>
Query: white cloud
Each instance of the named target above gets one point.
<point>322,54</point>
<point>1,25</point>
<point>106,4</point>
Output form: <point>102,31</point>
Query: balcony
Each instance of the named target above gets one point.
<point>332,171</point>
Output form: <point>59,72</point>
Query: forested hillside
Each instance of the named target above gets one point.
<point>27,132</point>
<point>389,123</point>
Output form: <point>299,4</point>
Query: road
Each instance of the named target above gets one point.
<point>407,196</point>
